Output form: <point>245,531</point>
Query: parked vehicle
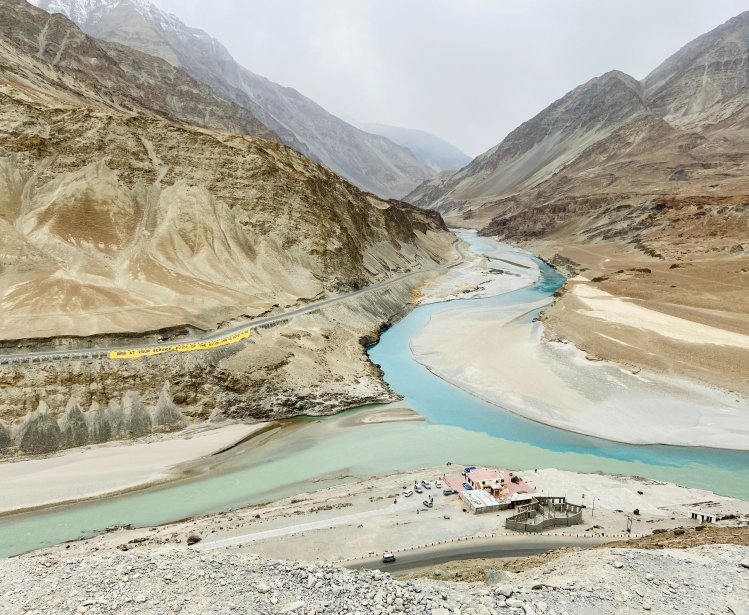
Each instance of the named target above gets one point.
<point>467,487</point>
<point>388,557</point>
<point>449,492</point>
<point>418,489</point>
<point>469,469</point>
<point>438,484</point>
<point>408,493</point>
<point>426,484</point>
<point>428,503</point>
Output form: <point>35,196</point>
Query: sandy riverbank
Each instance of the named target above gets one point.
<point>686,316</point>
<point>115,467</point>
<point>371,515</point>
<point>493,355</point>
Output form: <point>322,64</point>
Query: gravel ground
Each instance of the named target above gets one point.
<point>179,579</point>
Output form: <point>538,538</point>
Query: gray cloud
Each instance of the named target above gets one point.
<point>467,70</point>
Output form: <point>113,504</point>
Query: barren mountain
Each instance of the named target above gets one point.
<point>107,75</point>
<point>118,216</point>
<point>123,211</point>
<point>681,133</point>
<point>372,162</point>
<point>643,186</point>
<point>538,148</point>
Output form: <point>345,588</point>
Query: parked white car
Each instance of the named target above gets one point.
<point>408,493</point>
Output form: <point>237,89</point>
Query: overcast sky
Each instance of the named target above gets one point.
<point>468,71</point>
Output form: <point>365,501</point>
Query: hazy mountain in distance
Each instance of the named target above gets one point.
<point>372,162</point>
<point>592,163</point>
<point>537,148</point>
<point>434,152</point>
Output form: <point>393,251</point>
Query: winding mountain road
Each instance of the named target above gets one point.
<point>487,548</point>
<point>220,334</point>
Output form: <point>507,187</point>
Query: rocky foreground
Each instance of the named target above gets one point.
<point>706,579</point>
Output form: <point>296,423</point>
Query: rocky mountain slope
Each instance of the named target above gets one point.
<point>113,209</point>
<point>119,217</point>
<point>599,157</point>
<point>372,162</point>
<point>436,153</point>
<point>47,59</point>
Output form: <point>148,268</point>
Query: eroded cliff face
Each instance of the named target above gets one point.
<point>314,364</point>
<point>45,431</point>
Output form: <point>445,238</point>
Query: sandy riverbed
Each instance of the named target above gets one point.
<point>494,272</point>
<point>97,471</point>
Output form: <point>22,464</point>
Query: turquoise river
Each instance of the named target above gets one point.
<point>458,427</point>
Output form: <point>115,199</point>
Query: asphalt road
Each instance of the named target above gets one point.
<point>489,548</point>
<point>86,353</point>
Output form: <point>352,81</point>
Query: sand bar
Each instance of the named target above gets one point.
<point>605,306</point>
<point>109,468</point>
<point>495,357</point>
<point>498,270</point>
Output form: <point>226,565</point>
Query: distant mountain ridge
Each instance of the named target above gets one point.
<point>372,162</point>
<point>591,164</point>
<point>434,152</point>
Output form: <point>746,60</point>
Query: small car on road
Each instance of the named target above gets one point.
<point>388,557</point>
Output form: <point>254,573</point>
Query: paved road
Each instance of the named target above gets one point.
<point>53,355</point>
<point>499,547</point>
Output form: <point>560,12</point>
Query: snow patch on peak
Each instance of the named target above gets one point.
<point>90,12</point>
<point>162,19</point>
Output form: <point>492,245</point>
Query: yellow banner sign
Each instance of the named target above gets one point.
<point>150,351</point>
